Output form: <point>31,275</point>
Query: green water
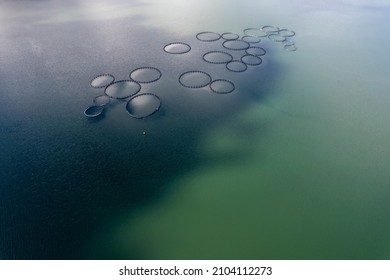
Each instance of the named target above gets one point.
<point>304,174</point>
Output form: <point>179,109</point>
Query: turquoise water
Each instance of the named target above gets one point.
<point>292,165</point>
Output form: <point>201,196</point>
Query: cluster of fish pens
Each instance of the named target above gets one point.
<point>141,105</point>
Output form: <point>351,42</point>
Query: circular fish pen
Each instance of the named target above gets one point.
<point>255,32</point>
<point>102,81</point>
<point>230,36</point>
<point>236,66</point>
<point>177,48</point>
<point>249,59</point>
<point>235,45</point>
<point>251,39</point>
<point>270,29</point>
<point>217,57</point>
<point>276,38</point>
<point>208,36</point>
<point>194,79</point>
<point>93,111</point>
<point>256,51</point>
<point>145,75</point>
<point>143,105</point>
<point>286,32</point>
<point>222,86</point>
<point>288,42</point>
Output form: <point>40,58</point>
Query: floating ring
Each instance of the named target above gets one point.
<point>145,75</point>
<point>230,36</point>
<point>143,105</point>
<point>222,86</point>
<point>270,29</point>
<point>93,111</point>
<point>217,57</point>
<point>102,81</point>
<point>286,32</point>
<point>256,51</point>
<point>249,59</point>
<point>288,43</point>
<point>208,36</point>
<point>235,45</point>
<point>276,38</point>
<point>236,66</point>
<point>194,79</point>
<point>177,48</point>
<point>255,32</point>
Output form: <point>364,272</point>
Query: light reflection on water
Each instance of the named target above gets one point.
<point>299,173</point>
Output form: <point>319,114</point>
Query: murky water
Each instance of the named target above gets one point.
<point>290,164</point>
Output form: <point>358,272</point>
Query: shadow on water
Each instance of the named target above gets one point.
<point>65,176</point>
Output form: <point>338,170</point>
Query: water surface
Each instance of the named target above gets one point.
<point>293,164</point>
